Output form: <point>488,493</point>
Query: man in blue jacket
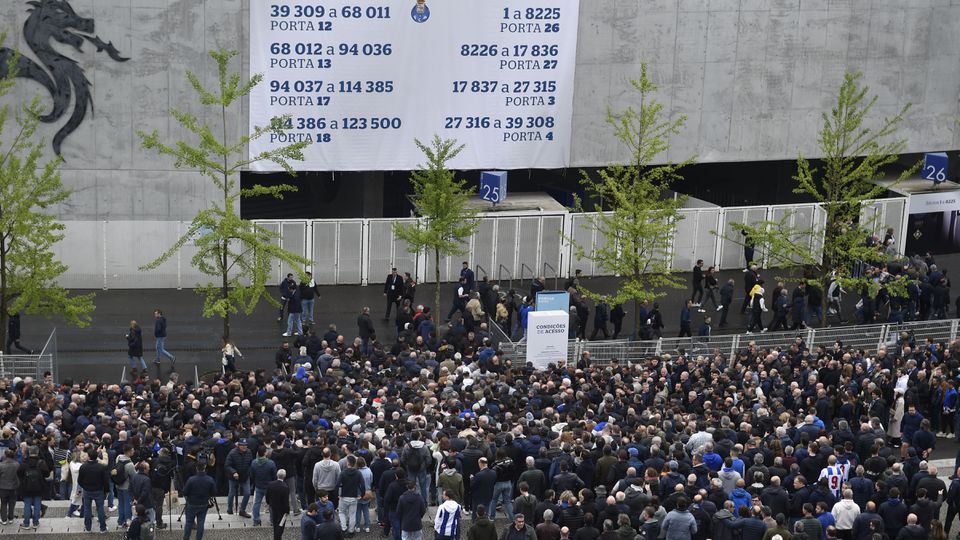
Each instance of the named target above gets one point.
<point>198,490</point>
<point>262,472</point>
<point>909,425</point>
<point>411,508</point>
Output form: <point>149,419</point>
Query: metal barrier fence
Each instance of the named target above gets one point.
<point>513,246</point>
<point>32,365</point>
<point>867,337</point>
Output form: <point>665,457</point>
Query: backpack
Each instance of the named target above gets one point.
<point>33,481</point>
<point>119,472</point>
<point>148,531</point>
<point>415,461</point>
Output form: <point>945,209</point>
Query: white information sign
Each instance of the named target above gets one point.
<point>547,337</point>
<point>361,79</point>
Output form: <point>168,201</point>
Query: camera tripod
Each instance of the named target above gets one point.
<point>211,503</point>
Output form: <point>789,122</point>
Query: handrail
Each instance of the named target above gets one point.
<point>556,275</point>
<point>523,266</point>
<point>481,269</point>
<point>500,275</point>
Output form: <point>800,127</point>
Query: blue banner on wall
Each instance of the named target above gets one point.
<point>553,301</point>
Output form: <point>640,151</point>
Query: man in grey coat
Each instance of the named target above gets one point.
<point>679,523</point>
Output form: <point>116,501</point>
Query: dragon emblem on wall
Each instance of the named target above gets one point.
<point>61,76</point>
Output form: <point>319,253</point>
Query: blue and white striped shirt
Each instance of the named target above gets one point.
<point>447,522</point>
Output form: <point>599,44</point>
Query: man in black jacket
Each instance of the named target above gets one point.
<point>284,288</point>
<point>160,333</point>
<point>308,296</point>
<point>286,459</point>
<point>278,499</point>
<point>726,298</point>
<point>697,281</point>
<point>32,474</point>
<point>162,471</point>
<point>351,489</point>
<point>198,490</point>
<point>13,334</point>
<point>365,330</point>
<point>391,498</point>
<point>141,489</point>
<point>311,456</point>
<point>411,507</point>
<point>482,485</point>
<point>393,291</point>
<point>750,278</point>
<point>776,497</point>
<point>94,480</point>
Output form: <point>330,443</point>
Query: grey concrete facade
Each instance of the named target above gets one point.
<point>111,175</point>
<point>752,76</point>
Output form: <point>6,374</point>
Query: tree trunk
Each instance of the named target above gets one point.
<point>825,300</point>
<point>4,316</point>
<point>436,275</point>
<point>636,319</point>
<point>226,242</point>
<point>225,289</point>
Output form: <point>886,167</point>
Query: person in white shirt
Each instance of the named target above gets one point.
<point>845,512</point>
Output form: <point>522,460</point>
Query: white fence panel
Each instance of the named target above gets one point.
<point>803,216</point>
<point>528,245</point>
<point>506,249</point>
<point>551,245</point>
<point>380,233</point>
<point>293,238</point>
<point>326,235</point>
<point>482,257</point>
<point>584,236</point>
<point>705,242</point>
<point>388,251</point>
<point>354,251</point>
<point>350,252</point>
<point>685,241</point>
<point>731,250</point>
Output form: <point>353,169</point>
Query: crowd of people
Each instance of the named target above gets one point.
<point>922,293</point>
<point>348,435</point>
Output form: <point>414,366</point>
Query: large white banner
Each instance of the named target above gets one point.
<point>547,337</point>
<point>362,80</point>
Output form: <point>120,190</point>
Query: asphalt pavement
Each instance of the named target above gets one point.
<point>98,352</point>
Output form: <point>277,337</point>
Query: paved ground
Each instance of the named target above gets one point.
<point>99,351</point>
<point>232,527</point>
<point>55,525</point>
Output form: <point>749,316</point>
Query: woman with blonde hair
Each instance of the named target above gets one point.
<point>77,457</point>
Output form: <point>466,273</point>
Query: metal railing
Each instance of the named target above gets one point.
<point>498,336</point>
<point>32,365</point>
<point>868,338</point>
<point>504,270</point>
<point>556,275</point>
<point>523,270</point>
